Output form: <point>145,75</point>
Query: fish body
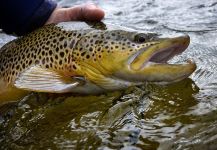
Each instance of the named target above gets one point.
<point>87,58</point>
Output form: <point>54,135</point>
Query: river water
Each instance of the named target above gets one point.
<point>179,116</point>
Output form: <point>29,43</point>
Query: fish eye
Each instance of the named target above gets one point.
<point>140,38</point>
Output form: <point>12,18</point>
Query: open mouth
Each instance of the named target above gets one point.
<point>161,53</point>
<point>164,55</point>
<point>151,64</point>
<point>165,51</point>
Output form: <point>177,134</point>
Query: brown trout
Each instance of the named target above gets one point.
<point>88,59</point>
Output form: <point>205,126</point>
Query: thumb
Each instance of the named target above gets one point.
<point>87,12</point>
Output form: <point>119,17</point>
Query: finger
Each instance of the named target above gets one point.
<point>88,12</point>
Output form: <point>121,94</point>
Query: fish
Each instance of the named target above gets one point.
<point>88,58</point>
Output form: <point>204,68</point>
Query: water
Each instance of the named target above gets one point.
<point>177,116</point>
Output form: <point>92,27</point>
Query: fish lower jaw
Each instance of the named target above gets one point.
<point>186,62</point>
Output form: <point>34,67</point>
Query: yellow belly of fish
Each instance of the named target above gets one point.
<point>9,93</point>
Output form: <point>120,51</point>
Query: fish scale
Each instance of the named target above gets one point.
<point>85,58</point>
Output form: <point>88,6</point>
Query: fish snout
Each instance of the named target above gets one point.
<point>160,52</point>
<point>151,63</point>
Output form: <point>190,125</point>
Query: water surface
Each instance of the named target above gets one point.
<point>177,116</point>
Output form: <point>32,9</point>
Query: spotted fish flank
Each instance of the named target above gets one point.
<point>81,58</point>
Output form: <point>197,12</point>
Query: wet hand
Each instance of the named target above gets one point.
<point>87,12</point>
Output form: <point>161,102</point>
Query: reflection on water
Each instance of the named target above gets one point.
<point>177,116</point>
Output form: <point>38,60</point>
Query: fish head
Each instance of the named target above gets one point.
<point>132,57</point>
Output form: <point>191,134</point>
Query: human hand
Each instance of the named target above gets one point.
<point>87,12</point>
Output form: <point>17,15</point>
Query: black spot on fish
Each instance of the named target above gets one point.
<point>17,67</point>
<point>70,34</point>
<point>65,44</point>
<point>51,59</point>
<point>62,54</point>
<point>88,56</point>
<point>74,66</point>
<point>36,62</point>
<point>79,35</point>
<point>60,62</point>
<point>90,49</point>
<point>56,56</point>
<point>19,58</point>
<point>61,39</point>
<point>57,49</point>
<point>12,66</point>
<point>50,52</point>
<point>43,53</point>
<point>99,48</point>
<point>82,54</point>
<point>23,66</point>
<point>39,51</point>
<point>43,61</point>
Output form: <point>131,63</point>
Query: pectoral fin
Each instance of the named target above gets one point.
<point>46,80</point>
